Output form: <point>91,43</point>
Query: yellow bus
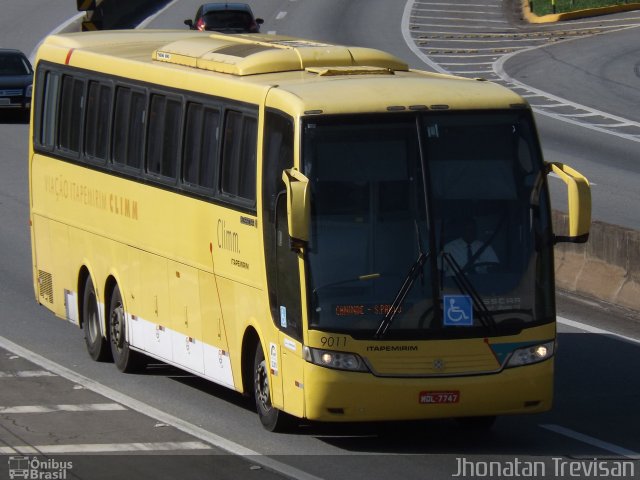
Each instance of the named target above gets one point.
<point>318,226</point>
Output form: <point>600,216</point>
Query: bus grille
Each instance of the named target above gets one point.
<point>45,282</point>
<point>434,365</point>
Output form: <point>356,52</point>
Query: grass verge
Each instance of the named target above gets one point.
<point>545,7</point>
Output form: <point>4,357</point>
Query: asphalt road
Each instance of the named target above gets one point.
<point>597,388</point>
<point>601,72</point>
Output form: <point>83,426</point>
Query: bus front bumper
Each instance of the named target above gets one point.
<point>340,396</point>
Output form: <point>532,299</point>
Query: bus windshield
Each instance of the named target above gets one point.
<point>430,225</point>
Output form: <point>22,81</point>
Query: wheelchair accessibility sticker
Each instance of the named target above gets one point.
<point>458,310</point>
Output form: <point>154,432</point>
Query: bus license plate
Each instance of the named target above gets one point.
<point>427,397</point>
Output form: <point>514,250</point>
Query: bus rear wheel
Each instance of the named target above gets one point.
<point>97,345</point>
<point>125,359</point>
<point>272,419</point>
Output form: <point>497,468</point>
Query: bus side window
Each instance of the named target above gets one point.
<point>129,120</point>
<point>96,136</point>
<point>49,108</point>
<point>200,146</point>
<point>71,105</point>
<point>165,117</point>
<point>238,170</point>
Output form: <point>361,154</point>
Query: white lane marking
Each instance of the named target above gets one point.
<point>463,49</point>
<point>461,19</point>
<point>458,27</point>
<point>87,407</point>
<point>615,125</point>
<point>580,115</point>
<point>471,72</point>
<point>499,70</point>
<point>104,447</point>
<point>599,331</point>
<point>164,417</point>
<point>455,10</point>
<point>543,105</point>
<point>448,55</point>
<point>481,35</point>
<point>508,41</point>
<point>609,447</point>
<point>27,374</point>
<point>462,64</point>
<point>463,5</point>
<point>408,39</point>
<point>281,15</point>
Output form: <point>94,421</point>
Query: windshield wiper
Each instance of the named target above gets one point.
<point>414,272</point>
<point>465,286</point>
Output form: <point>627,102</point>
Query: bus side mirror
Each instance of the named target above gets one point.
<point>298,206</point>
<point>579,201</point>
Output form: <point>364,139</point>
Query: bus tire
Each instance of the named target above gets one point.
<point>272,419</point>
<point>126,360</point>
<point>97,345</point>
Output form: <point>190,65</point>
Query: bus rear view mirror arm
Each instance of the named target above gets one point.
<point>298,206</point>
<point>578,201</point>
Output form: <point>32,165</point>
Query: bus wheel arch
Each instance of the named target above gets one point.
<point>90,318</point>
<point>250,341</point>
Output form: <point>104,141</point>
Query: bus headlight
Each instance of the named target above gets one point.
<point>533,354</point>
<point>28,90</point>
<point>336,360</point>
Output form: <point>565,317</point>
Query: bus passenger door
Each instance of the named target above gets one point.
<point>282,263</point>
<point>288,302</point>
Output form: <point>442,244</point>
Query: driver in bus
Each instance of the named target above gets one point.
<point>469,253</point>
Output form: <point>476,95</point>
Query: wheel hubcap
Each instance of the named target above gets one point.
<point>262,386</point>
<point>117,324</point>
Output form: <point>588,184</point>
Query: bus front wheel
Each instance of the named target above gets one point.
<point>97,345</point>
<point>125,359</point>
<point>271,418</point>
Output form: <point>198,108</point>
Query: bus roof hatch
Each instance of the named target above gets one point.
<point>240,55</point>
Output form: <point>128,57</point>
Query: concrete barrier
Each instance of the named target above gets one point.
<point>607,267</point>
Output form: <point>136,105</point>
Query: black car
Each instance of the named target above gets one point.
<point>225,18</point>
<point>16,79</point>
